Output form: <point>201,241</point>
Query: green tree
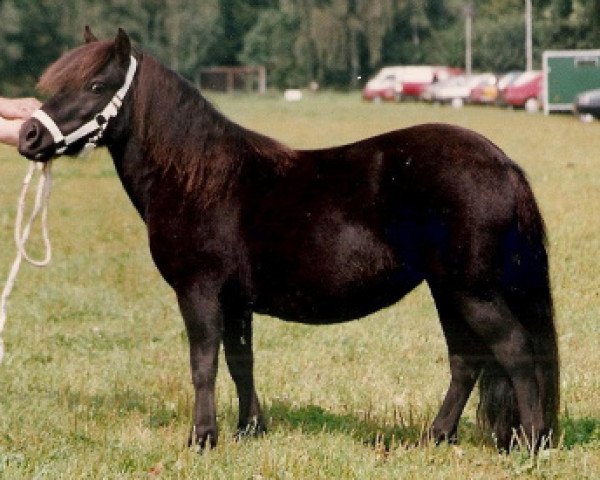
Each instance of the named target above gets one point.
<point>402,42</point>
<point>180,33</point>
<point>32,34</point>
<point>235,19</point>
<point>593,7</point>
<point>488,33</point>
<point>334,42</point>
<point>274,43</point>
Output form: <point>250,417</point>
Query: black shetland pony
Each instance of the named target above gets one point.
<point>238,223</point>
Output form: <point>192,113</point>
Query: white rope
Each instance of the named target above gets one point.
<point>21,235</point>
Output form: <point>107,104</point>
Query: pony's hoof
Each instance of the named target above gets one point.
<point>435,437</point>
<point>201,441</point>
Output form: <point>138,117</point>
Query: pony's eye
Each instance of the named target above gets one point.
<point>97,87</point>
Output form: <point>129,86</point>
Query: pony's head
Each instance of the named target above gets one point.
<point>87,87</point>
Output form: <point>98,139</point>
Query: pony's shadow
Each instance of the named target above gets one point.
<point>312,419</point>
<point>401,431</point>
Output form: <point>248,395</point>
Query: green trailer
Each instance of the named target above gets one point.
<point>566,74</point>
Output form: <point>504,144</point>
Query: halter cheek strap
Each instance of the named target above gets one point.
<point>97,125</point>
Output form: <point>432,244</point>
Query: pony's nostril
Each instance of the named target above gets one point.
<point>32,134</point>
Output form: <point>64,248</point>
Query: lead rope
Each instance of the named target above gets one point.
<point>21,235</point>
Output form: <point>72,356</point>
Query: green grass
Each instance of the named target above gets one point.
<point>95,383</point>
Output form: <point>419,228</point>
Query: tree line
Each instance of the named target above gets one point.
<point>337,43</point>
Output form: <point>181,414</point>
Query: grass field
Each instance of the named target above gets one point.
<point>96,384</point>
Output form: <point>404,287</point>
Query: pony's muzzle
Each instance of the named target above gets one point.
<point>35,141</point>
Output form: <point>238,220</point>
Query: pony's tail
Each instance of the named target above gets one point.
<point>526,286</point>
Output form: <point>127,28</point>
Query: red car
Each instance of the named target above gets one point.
<point>418,78</point>
<point>525,91</point>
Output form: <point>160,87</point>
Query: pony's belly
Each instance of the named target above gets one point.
<point>314,305</point>
<point>335,272</point>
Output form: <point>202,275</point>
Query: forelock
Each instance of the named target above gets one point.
<point>76,67</point>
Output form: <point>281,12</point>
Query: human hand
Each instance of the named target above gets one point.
<point>9,130</point>
<point>18,108</point>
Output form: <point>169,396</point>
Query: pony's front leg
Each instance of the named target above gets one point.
<point>237,340</point>
<point>201,312</point>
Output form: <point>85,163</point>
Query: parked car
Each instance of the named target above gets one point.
<point>489,93</point>
<point>408,81</point>
<point>587,104</point>
<point>484,93</point>
<point>504,82</point>
<point>385,85</point>
<point>457,89</point>
<point>417,78</point>
<point>525,91</point>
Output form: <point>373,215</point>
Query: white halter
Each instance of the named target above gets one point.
<point>97,125</point>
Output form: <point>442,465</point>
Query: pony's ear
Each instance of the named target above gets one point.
<point>88,36</point>
<point>122,47</point>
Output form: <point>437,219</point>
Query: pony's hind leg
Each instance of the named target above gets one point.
<point>466,354</point>
<point>491,319</point>
<point>237,342</point>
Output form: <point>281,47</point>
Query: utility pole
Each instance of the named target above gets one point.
<point>468,11</point>
<point>528,36</point>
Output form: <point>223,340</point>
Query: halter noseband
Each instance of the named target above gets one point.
<point>97,125</point>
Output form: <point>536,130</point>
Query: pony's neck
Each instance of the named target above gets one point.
<point>180,142</point>
<point>175,140</point>
<point>180,132</point>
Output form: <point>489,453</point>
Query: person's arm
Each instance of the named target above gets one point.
<point>15,108</point>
